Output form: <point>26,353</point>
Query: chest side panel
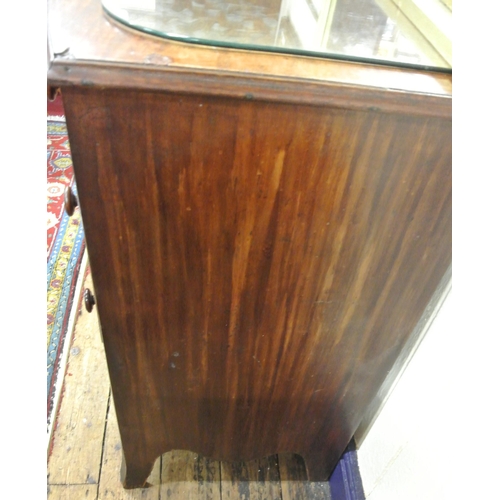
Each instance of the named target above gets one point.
<point>257,266</point>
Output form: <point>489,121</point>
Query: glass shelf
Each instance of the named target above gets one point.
<point>405,33</point>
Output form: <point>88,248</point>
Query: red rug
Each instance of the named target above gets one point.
<point>55,108</point>
<point>65,249</point>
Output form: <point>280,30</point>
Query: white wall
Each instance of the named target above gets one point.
<point>437,436</point>
<point>402,456</point>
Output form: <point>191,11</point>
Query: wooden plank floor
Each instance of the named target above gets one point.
<point>85,452</point>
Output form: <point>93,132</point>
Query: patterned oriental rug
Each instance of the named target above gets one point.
<point>65,250</point>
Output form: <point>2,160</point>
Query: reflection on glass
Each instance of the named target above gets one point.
<point>401,32</point>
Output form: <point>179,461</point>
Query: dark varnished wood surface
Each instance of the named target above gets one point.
<point>258,266</point>
<point>265,231</point>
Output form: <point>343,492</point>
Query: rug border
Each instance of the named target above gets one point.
<point>65,298</point>
<point>68,289</point>
<point>63,358</point>
<point>56,118</point>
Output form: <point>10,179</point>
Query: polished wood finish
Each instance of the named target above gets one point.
<point>257,267</point>
<point>86,450</point>
<point>263,244</point>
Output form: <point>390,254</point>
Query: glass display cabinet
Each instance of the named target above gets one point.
<point>265,188</point>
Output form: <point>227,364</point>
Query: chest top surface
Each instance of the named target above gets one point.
<point>88,48</point>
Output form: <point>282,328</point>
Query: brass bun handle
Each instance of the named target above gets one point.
<point>70,201</point>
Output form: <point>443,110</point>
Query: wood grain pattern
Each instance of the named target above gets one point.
<point>258,266</point>
<point>77,444</point>
<point>176,475</point>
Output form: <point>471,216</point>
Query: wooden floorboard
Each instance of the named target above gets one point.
<point>72,491</point>
<point>187,475</point>
<point>78,437</point>
<point>85,453</point>
<point>258,479</point>
<point>294,483</point>
<point>109,481</point>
